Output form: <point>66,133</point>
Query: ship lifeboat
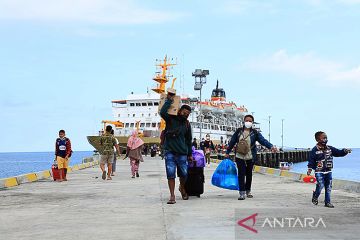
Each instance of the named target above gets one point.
<point>206,107</point>
<point>229,109</point>
<point>218,110</point>
<point>242,109</point>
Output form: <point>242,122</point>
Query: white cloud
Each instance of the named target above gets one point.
<point>244,6</point>
<point>235,7</point>
<point>88,11</point>
<point>350,2</point>
<point>306,65</point>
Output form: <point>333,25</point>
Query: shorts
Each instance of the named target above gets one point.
<point>107,159</point>
<point>62,162</point>
<point>175,160</point>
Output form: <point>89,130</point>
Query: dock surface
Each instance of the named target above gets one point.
<point>87,207</point>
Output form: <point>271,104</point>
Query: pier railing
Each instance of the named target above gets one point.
<point>269,159</point>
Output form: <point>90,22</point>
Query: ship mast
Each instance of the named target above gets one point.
<point>162,78</point>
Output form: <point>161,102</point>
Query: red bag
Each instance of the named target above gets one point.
<point>309,179</point>
<point>57,174</point>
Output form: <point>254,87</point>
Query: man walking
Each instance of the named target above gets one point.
<point>62,154</point>
<point>107,141</point>
<point>177,146</point>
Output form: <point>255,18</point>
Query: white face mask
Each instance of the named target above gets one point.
<point>248,124</point>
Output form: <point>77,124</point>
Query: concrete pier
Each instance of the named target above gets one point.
<point>87,207</point>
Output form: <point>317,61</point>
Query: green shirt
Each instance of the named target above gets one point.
<point>178,138</point>
<point>107,142</point>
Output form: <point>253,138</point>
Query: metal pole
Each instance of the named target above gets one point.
<point>200,113</point>
<point>282,134</point>
<point>269,128</point>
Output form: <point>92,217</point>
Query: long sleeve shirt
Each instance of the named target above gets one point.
<point>178,136</point>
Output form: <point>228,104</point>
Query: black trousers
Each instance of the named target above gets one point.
<point>244,174</point>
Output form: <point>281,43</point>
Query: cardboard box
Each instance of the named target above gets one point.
<point>175,106</point>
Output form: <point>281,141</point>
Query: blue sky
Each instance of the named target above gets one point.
<point>62,62</point>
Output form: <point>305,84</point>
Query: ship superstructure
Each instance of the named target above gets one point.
<point>218,117</point>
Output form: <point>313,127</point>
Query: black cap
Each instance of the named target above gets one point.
<point>185,106</point>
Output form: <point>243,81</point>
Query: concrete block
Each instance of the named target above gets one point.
<point>263,170</point>
<point>26,178</point>
<point>8,182</point>
<point>257,168</point>
<point>43,174</point>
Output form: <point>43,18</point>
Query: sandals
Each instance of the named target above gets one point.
<point>171,201</point>
<point>109,178</point>
<point>183,193</point>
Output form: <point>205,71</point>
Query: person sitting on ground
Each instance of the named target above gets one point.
<point>321,160</point>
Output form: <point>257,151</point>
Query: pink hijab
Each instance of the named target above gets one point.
<point>134,141</point>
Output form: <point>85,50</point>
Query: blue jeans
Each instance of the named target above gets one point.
<point>172,161</point>
<point>323,180</point>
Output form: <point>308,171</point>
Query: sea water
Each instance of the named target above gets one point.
<point>346,168</point>
<point>17,163</point>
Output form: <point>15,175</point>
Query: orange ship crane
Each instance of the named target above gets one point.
<point>162,78</point>
<point>117,124</point>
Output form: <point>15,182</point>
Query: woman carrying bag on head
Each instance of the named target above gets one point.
<point>245,153</point>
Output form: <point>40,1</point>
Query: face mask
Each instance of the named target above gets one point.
<point>207,138</point>
<point>248,124</point>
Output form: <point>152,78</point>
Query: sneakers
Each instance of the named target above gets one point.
<point>329,205</point>
<point>242,195</point>
<point>315,201</point>
<point>103,175</point>
<point>137,174</point>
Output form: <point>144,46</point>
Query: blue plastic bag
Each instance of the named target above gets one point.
<point>225,175</point>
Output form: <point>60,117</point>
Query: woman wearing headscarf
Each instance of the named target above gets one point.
<point>133,151</point>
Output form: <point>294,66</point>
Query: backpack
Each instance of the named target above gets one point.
<point>165,132</point>
<point>243,147</point>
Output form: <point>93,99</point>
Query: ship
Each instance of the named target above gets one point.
<point>214,116</point>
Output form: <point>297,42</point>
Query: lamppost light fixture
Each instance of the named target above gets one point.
<point>200,80</point>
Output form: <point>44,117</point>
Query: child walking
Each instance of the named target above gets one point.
<point>321,160</point>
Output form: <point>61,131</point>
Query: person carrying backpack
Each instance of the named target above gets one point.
<point>108,142</point>
<point>177,146</point>
<point>245,153</point>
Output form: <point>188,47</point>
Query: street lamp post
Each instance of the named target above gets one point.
<point>200,80</point>
<point>269,128</point>
<point>282,134</point>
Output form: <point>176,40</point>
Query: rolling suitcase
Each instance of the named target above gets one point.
<point>194,184</point>
<point>56,172</point>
